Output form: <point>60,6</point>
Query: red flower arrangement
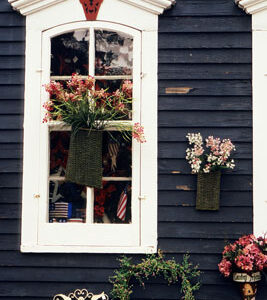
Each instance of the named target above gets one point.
<point>244,255</point>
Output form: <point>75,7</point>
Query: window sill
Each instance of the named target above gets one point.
<point>86,249</point>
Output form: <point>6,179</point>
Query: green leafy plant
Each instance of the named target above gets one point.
<point>154,266</point>
<point>78,103</point>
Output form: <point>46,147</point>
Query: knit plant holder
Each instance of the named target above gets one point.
<point>85,158</point>
<point>208,191</point>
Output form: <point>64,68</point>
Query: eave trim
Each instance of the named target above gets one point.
<point>252,6</point>
<point>27,7</point>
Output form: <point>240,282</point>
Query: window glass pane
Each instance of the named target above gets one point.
<point>59,147</point>
<point>67,202</point>
<point>69,53</point>
<point>113,53</point>
<point>111,86</point>
<point>113,202</point>
<point>117,155</point>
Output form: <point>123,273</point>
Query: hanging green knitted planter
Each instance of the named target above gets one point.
<point>85,158</point>
<point>208,191</point>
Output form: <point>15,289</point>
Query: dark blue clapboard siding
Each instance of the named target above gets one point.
<point>204,86</point>
<point>204,52</point>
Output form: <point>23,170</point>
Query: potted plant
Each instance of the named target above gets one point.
<point>89,111</point>
<point>245,260</point>
<point>207,161</point>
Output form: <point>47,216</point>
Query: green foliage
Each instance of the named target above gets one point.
<point>154,266</point>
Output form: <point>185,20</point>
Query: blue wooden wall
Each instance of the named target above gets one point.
<point>205,47</point>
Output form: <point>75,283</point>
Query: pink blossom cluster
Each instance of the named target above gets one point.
<point>138,133</point>
<point>81,102</point>
<point>214,156</point>
<point>78,89</point>
<point>127,88</point>
<point>243,255</point>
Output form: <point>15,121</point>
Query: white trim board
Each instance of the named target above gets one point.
<point>252,6</point>
<point>27,7</point>
<point>258,10</point>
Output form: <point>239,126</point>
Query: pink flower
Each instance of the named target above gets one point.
<point>213,144</point>
<point>127,88</point>
<point>198,150</point>
<point>48,105</point>
<point>89,82</point>
<point>53,88</point>
<point>117,94</point>
<point>138,133</point>
<point>244,262</point>
<point>225,267</point>
<point>47,117</point>
<point>70,97</point>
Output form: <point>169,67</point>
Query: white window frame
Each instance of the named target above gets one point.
<point>46,15</point>
<point>258,10</point>
<point>96,235</point>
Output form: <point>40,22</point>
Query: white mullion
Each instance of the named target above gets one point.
<point>90,205</point>
<point>91,69</point>
<point>92,52</point>
<point>106,77</point>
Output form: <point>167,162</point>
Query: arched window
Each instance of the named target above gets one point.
<point>73,214</point>
<point>120,45</point>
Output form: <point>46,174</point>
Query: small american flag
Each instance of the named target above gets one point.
<point>121,210</point>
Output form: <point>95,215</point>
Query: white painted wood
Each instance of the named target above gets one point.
<point>46,18</point>
<point>149,149</point>
<point>259,85</point>
<point>90,206</point>
<point>91,52</point>
<point>27,7</point>
<point>252,6</point>
<point>65,234</point>
<point>110,11</point>
<point>86,249</point>
<point>112,77</point>
<point>259,130</point>
<point>31,139</point>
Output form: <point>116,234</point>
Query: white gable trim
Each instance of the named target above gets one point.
<point>27,7</point>
<point>252,6</point>
<point>258,10</point>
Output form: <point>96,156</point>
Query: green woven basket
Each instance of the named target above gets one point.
<point>208,191</point>
<point>84,164</point>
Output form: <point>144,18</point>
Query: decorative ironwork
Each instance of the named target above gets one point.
<point>91,8</point>
<point>81,295</point>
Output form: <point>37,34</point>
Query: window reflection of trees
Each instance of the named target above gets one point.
<point>114,53</point>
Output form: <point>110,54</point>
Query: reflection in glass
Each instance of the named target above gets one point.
<point>59,147</point>
<point>109,85</point>
<point>117,155</point>
<point>67,202</point>
<point>113,202</point>
<point>69,53</point>
<point>113,53</point>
